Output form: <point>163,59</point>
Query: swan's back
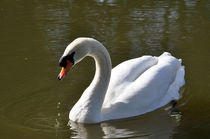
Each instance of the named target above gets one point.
<point>126,73</point>
<point>142,85</point>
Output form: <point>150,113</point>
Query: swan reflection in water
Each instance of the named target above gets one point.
<point>157,124</point>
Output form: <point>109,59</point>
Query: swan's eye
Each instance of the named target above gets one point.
<point>63,60</point>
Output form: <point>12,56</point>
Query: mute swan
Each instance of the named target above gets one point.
<point>132,88</point>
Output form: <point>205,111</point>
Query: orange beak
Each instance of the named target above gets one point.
<point>64,70</point>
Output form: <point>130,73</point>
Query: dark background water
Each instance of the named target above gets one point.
<point>34,33</point>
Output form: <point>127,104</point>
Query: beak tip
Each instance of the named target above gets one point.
<point>59,78</point>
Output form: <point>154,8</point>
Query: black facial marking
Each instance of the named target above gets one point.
<point>63,60</point>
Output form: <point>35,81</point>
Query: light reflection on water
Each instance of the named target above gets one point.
<point>33,34</point>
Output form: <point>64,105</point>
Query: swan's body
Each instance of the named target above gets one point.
<point>132,88</point>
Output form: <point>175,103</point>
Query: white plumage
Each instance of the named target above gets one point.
<point>132,88</point>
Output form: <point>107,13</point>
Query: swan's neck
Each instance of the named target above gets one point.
<point>88,108</point>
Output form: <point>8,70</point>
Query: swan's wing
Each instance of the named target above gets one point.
<point>153,83</point>
<point>149,90</point>
<point>131,69</point>
<point>125,73</point>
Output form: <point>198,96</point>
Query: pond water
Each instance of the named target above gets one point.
<point>34,34</point>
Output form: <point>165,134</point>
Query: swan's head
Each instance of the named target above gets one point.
<point>73,54</point>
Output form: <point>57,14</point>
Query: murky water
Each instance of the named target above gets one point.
<point>33,35</point>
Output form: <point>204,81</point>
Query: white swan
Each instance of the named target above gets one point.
<point>132,88</point>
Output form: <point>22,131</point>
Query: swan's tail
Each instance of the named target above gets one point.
<point>173,91</point>
<point>177,84</point>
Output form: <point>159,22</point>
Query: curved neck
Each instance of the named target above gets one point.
<point>92,98</point>
<point>98,87</point>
